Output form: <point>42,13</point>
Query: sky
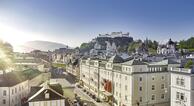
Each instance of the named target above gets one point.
<point>72,22</point>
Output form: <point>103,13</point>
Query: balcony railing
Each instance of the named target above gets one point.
<point>184,70</point>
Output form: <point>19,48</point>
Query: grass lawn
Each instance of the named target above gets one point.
<point>31,73</point>
<point>58,65</point>
<point>68,92</point>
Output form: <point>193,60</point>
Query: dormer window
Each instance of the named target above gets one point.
<point>47,95</point>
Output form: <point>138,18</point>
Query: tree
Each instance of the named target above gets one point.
<point>6,55</point>
<point>187,44</point>
<point>189,64</point>
<point>133,46</point>
<point>3,65</point>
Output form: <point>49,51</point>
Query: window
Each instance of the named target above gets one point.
<point>182,82</point>
<point>140,99</point>
<point>177,80</point>
<point>4,101</point>
<point>120,95</point>
<point>125,97</point>
<point>162,77</point>
<point>153,87</point>
<point>116,84</point>
<point>182,96</point>
<point>140,88</point>
<point>116,93</point>
<point>162,86</point>
<point>4,93</point>
<point>125,77</point>
<point>129,69</point>
<point>177,95</point>
<point>152,69</point>
<point>125,87</point>
<point>162,96</point>
<point>153,97</point>
<point>160,68</point>
<point>15,90</point>
<point>140,79</point>
<point>140,69</point>
<point>153,78</point>
<point>12,91</point>
<point>123,68</point>
<point>47,96</point>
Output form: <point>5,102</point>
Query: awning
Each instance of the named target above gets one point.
<point>108,94</point>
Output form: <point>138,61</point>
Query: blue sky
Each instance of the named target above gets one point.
<point>75,21</point>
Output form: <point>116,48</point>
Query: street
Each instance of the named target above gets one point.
<point>68,81</point>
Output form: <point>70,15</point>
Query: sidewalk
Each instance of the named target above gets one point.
<point>87,97</point>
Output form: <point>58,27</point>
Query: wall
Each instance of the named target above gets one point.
<point>14,94</point>
<point>48,103</point>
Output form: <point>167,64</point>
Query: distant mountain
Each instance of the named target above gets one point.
<point>40,45</point>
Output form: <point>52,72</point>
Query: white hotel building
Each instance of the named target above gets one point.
<point>128,83</point>
<point>13,89</point>
<point>182,87</point>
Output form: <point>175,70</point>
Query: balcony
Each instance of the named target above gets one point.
<point>183,70</point>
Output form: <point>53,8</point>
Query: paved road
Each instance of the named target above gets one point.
<point>84,96</point>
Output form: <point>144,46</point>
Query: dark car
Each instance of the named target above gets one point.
<point>97,100</point>
<point>93,96</point>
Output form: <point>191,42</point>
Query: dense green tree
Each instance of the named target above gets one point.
<point>133,46</point>
<point>187,44</point>
<point>189,64</point>
<point>149,44</point>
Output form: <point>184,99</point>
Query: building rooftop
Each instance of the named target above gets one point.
<point>164,62</point>
<point>38,93</point>
<point>116,59</point>
<point>12,78</point>
<point>183,70</point>
<point>134,62</point>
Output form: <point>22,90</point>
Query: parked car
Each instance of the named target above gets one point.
<point>97,100</point>
<point>93,96</point>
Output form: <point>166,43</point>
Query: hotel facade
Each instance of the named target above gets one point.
<point>14,89</point>
<point>182,87</point>
<point>127,83</point>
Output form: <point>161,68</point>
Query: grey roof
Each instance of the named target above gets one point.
<point>164,62</point>
<point>116,59</point>
<point>134,62</point>
<point>12,78</point>
<point>38,93</point>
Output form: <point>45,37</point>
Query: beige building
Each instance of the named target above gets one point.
<point>182,87</point>
<point>128,83</point>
